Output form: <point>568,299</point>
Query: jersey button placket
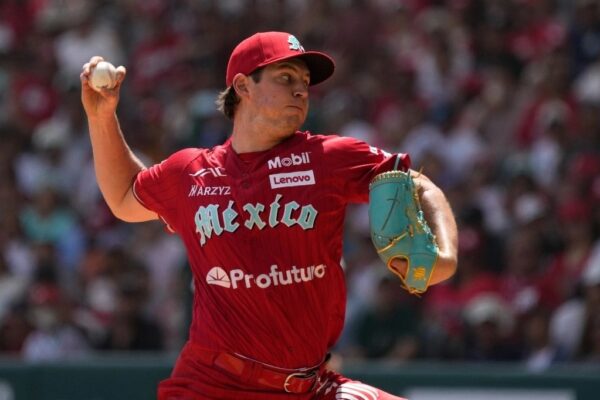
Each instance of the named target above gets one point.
<point>245,183</point>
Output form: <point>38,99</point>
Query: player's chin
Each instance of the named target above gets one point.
<point>295,121</point>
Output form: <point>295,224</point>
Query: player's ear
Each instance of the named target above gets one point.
<point>240,84</point>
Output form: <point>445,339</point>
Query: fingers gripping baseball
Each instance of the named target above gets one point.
<point>100,86</point>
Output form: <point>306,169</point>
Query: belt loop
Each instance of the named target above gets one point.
<point>231,364</point>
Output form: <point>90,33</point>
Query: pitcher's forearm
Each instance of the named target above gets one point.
<point>440,218</point>
<point>115,164</point>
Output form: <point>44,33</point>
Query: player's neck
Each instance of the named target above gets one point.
<point>246,143</point>
<point>249,138</point>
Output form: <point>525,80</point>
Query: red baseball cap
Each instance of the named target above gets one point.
<point>265,48</point>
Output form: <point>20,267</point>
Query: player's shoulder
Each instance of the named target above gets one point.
<point>333,142</point>
<point>317,137</point>
<point>326,139</point>
<point>183,158</point>
<point>346,150</point>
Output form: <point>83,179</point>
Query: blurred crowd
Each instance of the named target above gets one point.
<point>497,101</point>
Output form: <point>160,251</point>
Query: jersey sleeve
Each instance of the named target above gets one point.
<point>158,188</point>
<point>355,163</point>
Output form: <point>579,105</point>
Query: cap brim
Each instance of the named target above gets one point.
<point>320,65</point>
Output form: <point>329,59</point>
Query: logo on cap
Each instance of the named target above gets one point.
<point>295,44</point>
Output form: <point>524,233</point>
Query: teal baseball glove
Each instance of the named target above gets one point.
<point>399,230</point>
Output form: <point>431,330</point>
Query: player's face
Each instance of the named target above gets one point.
<point>281,96</point>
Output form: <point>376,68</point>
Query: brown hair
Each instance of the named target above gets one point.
<point>228,98</point>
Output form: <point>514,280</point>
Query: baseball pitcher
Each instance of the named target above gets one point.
<point>261,217</point>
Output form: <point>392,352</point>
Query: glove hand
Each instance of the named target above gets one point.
<point>399,231</point>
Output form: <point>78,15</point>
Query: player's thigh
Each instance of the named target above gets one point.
<point>338,387</point>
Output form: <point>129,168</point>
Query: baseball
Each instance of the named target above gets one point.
<point>104,75</point>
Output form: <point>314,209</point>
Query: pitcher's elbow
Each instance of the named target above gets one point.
<point>451,267</point>
<point>445,268</point>
<point>117,212</point>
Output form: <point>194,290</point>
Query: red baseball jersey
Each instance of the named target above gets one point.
<point>263,232</point>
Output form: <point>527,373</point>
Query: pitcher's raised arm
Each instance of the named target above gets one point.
<point>115,164</point>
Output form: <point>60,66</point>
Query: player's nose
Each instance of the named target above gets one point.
<point>301,90</point>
